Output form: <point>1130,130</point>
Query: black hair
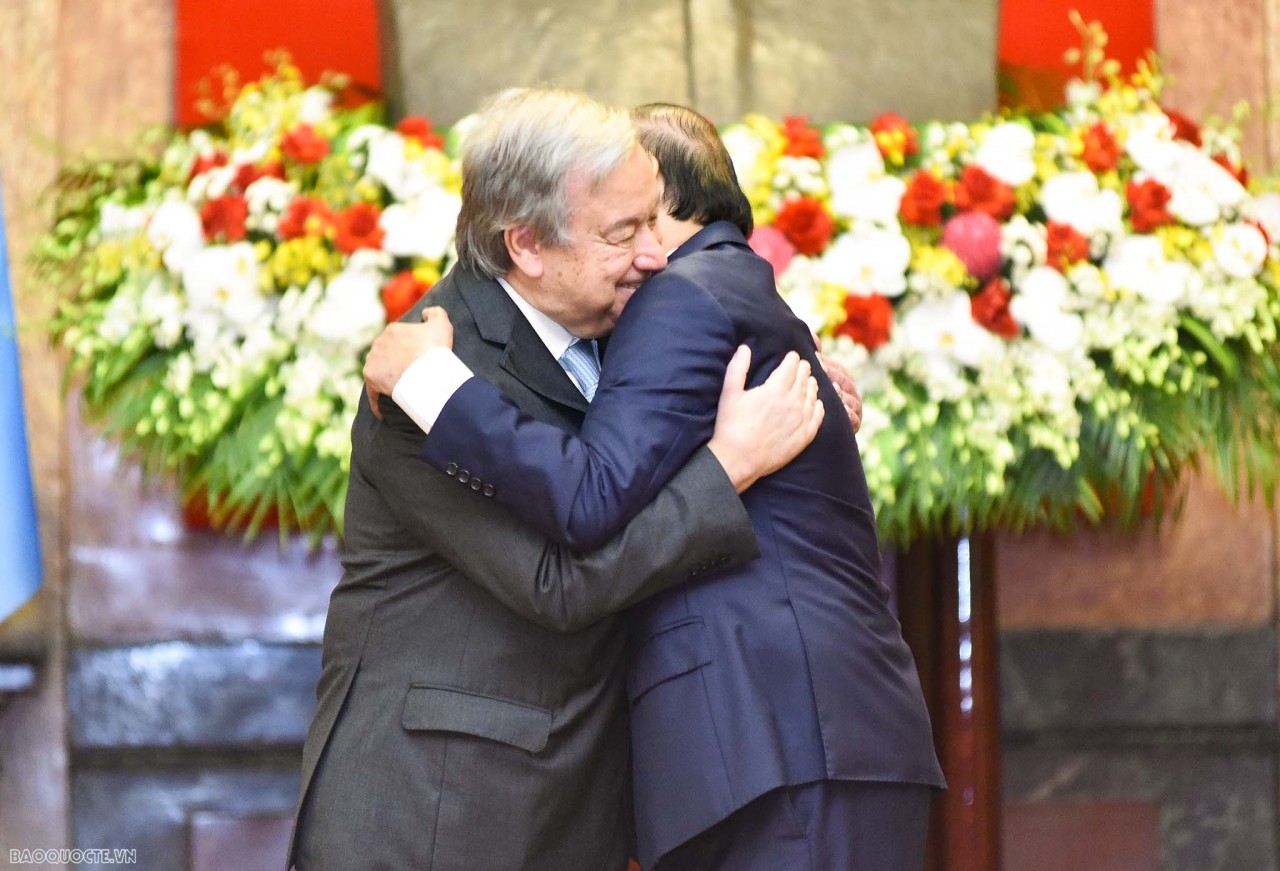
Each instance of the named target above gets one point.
<point>700,183</point>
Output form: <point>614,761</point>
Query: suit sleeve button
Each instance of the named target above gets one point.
<point>451,470</point>
<point>464,476</point>
<point>476,483</point>
<point>488,490</point>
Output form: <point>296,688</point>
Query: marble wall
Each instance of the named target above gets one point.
<point>829,59</point>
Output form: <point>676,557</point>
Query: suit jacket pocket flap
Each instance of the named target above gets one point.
<point>447,709</point>
<point>673,651</point>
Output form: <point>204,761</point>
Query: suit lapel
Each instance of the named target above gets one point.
<point>524,355</point>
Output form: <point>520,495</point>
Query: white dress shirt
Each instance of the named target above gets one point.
<point>433,378</point>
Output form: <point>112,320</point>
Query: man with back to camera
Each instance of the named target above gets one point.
<point>777,717</point>
<point>471,708</point>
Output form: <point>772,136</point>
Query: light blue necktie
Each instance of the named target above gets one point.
<point>580,361</point>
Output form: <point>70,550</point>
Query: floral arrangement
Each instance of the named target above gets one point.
<point>226,284</point>
<point>1050,315</point>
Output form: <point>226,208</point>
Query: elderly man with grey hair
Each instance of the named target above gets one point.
<point>472,714</point>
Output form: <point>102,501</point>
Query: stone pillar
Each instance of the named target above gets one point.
<point>830,59</point>
<point>1195,39</point>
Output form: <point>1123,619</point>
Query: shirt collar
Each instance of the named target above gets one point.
<point>555,337</point>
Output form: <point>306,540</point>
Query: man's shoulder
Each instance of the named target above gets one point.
<point>448,294</point>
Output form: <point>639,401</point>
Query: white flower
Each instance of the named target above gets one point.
<point>316,105</point>
<point>800,286</point>
<point>116,221</point>
<point>802,174</point>
<point>1006,153</point>
<point>349,315</point>
<point>1074,198</point>
<point>944,330</point>
<point>179,374</point>
<point>211,184</point>
<point>1082,94</point>
<point>1022,246</point>
<point>422,227</point>
<point>268,197</point>
<point>176,232</point>
<point>389,164</point>
<point>1138,263</point>
<point>1040,306</point>
<point>222,285</point>
<point>1240,249</point>
<point>1265,209</point>
<point>745,147</point>
<point>860,189</point>
<point>869,262</point>
<point>162,307</point>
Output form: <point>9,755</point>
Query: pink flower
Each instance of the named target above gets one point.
<point>773,245</point>
<point>974,237</point>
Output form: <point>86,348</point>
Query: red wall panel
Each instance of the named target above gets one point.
<point>336,35</point>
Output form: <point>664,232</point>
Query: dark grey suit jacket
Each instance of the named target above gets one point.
<point>471,707</point>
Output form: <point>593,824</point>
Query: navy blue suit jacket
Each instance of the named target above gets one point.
<point>783,671</point>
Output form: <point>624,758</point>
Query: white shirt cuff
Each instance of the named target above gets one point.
<point>428,383</point>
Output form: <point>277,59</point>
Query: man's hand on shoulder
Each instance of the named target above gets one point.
<point>398,346</point>
<point>760,430</point>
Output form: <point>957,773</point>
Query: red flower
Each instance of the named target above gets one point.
<point>306,216</point>
<point>1183,127</point>
<point>895,137</point>
<point>1066,246</point>
<point>358,228</point>
<point>1148,202</point>
<point>204,163</point>
<point>923,200</point>
<point>303,144</point>
<point>419,127</point>
<point>223,218</point>
<point>806,223</point>
<point>990,307</point>
<point>1238,172</point>
<point>980,191</point>
<point>248,173</point>
<point>869,320</point>
<point>1101,151</point>
<point>802,140</point>
<point>974,237</point>
<point>401,292</point>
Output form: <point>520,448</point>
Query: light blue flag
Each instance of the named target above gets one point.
<point>20,570</point>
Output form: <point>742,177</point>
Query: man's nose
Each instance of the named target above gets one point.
<point>649,254</point>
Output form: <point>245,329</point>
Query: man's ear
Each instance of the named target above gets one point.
<point>524,249</point>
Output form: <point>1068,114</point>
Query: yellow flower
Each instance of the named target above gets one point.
<point>939,261</point>
<point>426,272</point>
<point>829,302</point>
<point>1184,242</point>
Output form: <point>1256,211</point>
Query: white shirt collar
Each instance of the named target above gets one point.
<point>555,337</point>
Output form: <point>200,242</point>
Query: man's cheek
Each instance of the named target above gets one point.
<point>620,300</point>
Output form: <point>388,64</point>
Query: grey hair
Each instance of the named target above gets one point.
<point>517,157</point>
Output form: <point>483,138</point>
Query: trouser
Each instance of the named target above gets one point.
<point>829,825</point>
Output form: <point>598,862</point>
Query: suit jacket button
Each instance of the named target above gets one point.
<point>464,476</point>
<point>488,490</point>
<point>476,483</point>
<point>451,469</point>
